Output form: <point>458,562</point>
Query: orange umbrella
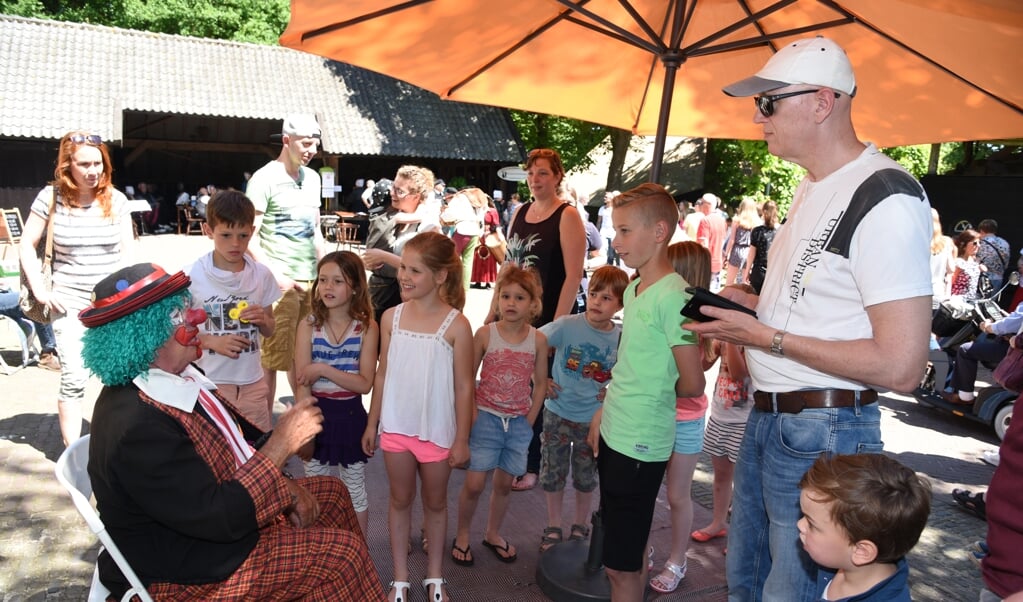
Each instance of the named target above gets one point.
<point>928,70</point>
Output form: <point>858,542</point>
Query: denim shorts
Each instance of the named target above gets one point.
<point>689,435</point>
<point>496,442</point>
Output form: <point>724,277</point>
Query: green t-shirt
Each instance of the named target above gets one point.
<point>291,213</point>
<point>639,410</point>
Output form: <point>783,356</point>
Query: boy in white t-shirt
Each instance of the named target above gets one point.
<point>237,294</point>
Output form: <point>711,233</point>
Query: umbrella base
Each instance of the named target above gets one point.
<point>563,576</point>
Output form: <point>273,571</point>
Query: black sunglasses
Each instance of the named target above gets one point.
<point>83,138</point>
<point>765,104</point>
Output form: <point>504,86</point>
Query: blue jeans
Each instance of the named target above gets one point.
<point>10,308</point>
<point>765,558</point>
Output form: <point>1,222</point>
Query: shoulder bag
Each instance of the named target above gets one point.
<point>30,306</point>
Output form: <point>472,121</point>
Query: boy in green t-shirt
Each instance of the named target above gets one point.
<point>633,434</point>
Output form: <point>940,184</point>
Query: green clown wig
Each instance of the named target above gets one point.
<point>120,350</point>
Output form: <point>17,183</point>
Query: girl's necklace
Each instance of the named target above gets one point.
<point>333,335</point>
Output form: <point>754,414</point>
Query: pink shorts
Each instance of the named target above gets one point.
<point>424,451</point>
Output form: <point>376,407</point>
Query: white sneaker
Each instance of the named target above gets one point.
<point>990,456</point>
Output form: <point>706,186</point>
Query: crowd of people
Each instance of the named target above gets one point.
<point>203,491</point>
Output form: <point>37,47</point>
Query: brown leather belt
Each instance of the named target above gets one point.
<point>795,402</point>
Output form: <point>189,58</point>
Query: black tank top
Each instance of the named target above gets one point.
<point>539,246</point>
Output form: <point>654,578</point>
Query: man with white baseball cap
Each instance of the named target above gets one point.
<point>843,311</point>
<point>287,237</point>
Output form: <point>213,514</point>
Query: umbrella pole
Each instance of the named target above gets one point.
<point>573,571</point>
<point>672,61</point>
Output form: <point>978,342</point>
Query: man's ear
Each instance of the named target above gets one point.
<point>864,552</point>
<point>825,99</point>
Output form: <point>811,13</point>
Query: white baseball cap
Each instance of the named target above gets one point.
<point>815,61</point>
<point>302,125</point>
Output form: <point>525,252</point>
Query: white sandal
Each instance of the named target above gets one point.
<point>400,590</point>
<point>437,582</point>
<point>666,586</point>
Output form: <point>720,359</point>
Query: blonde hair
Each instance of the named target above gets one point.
<point>477,198</point>
<point>691,261</point>
<point>420,180</point>
<point>747,216</point>
<point>438,253</point>
<point>939,242</point>
<point>653,203</point>
<point>528,279</point>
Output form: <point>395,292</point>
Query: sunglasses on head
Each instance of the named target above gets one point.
<point>83,138</point>
<point>541,152</point>
<point>765,104</point>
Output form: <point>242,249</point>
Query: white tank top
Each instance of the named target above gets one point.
<point>418,397</point>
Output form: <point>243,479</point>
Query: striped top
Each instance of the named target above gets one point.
<point>344,357</point>
<point>86,245</point>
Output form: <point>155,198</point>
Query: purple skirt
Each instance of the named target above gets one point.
<point>340,441</point>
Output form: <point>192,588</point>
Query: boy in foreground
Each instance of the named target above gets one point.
<point>634,433</point>
<point>862,514</point>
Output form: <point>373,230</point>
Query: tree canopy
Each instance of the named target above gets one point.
<point>257,21</point>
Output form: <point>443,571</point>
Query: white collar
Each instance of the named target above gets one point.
<point>176,391</point>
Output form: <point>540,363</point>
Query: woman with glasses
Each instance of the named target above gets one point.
<point>408,215</point>
<point>544,236</point>
<point>92,238</point>
<point>967,272</point>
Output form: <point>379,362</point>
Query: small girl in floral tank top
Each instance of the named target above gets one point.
<point>513,355</point>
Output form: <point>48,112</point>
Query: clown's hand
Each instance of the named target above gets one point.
<point>294,429</point>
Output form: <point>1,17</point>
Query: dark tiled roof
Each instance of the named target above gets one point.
<point>56,75</point>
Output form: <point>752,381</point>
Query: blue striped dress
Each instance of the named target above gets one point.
<point>344,417</point>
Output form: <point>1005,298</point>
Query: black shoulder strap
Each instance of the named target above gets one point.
<point>878,187</point>
<point>992,245</point>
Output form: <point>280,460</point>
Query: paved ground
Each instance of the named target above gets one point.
<point>47,553</point>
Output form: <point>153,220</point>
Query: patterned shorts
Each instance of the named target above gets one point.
<point>723,438</point>
<point>563,446</point>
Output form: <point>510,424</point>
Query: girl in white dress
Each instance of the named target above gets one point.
<point>423,399</point>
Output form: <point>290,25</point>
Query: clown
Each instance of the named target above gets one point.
<point>192,493</point>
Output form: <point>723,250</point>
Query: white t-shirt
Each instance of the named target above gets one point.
<point>219,292</point>
<point>607,226</point>
<point>819,293</point>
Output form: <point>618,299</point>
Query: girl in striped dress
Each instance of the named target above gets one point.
<point>335,361</point>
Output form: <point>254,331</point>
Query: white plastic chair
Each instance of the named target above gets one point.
<point>29,351</point>
<point>73,475</point>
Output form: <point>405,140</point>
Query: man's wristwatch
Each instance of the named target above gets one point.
<point>776,344</point>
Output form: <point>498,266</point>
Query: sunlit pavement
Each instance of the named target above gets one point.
<point>47,552</point>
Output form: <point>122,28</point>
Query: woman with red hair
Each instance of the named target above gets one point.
<point>92,236</point>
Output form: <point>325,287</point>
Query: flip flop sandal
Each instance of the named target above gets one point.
<point>578,533</point>
<point>971,502</point>
<point>466,559</point>
<point>552,536</point>
<point>507,557</point>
